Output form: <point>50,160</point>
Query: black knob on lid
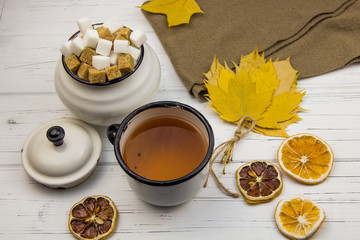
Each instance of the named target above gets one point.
<point>56,135</point>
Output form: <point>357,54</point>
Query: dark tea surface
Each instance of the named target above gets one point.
<point>165,148</point>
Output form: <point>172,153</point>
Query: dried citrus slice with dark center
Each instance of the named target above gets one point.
<point>306,157</point>
<point>259,181</point>
<point>298,217</point>
<point>93,218</point>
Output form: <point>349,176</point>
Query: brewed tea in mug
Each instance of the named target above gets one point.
<point>164,148</point>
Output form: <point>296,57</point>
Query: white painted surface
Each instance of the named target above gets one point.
<point>31,33</point>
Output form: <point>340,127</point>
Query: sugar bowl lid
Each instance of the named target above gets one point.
<point>61,153</point>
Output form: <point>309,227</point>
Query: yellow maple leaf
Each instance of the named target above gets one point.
<point>281,109</point>
<point>265,77</point>
<point>177,11</point>
<point>280,132</point>
<point>224,77</point>
<point>214,73</point>
<point>265,91</point>
<point>251,61</point>
<point>288,76</point>
<point>242,99</point>
<point>284,71</point>
<point>218,71</point>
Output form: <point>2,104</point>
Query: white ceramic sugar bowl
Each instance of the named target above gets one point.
<point>109,103</point>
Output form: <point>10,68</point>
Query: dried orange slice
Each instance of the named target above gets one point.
<point>306,157</point>
<point>259,181</point>
<point>93,218</point>
<point>298,217</point>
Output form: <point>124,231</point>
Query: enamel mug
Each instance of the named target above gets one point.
<point>171,192</point>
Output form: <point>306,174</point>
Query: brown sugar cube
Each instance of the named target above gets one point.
<point>73,63</point>
<point>87,54</point>
<point>122,32</point>
<point>125,63</point>
<point>120,37</point>
<point>105,33</point>
<point>97,76</point>
<point>113,72</point>
<point>83,71</point>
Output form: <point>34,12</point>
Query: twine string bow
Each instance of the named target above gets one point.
<point>228,149</point>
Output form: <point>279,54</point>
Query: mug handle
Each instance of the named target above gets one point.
<point>112,131</point>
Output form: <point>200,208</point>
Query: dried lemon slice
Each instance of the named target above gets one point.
<point>93,218</point>
<point>259,181</point>
<point>306,157</point>
<point>298,217</point>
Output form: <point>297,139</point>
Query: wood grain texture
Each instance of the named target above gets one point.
<point>31,33</point>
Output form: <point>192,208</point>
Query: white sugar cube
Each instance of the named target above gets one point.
<point>100,62</point>
<point>138,38</point>
<point>103,47</point>
<point>134,52</point>
<point>77,46</point>
<point>113,58</point>
<point>65,49</point>
<point>83,24</point>
<point>121,46</point>
<point>91,38</point>
<point>112,25</point>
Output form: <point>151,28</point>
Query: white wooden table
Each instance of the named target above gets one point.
<point>31,33</point>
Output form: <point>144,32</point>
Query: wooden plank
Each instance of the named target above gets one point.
<point>36,207</point>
